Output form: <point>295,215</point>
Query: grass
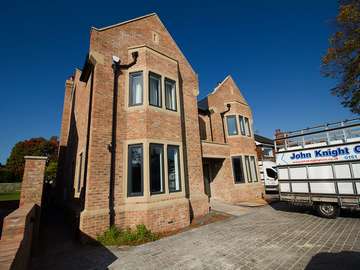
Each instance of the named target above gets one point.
<point>11,196</point>
<point>129,237</point>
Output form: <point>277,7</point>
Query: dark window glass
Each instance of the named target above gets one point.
<point>154,89</point>
<point>242,125</point>
<point>238,170</point>
<point>232,125</point>
<point>136,88</point>
<point>173,168</point>
<point>156,168</point>
<point>135,170</point>
<point>170,94</point>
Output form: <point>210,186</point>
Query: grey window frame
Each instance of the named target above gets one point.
<point>248,169</point>
<point>131,75</point>
<point>129,180</point>
<point>179,166</point>
<point>247,124</point>
<point>162,169</point>
<point>253,160</point>
<point>175,95</point>
<point>236,125</point>
<point>242,176</point>
<point>155,76</point>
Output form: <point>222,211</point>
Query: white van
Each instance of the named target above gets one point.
<point>269,176</point>
<point>320,166</point>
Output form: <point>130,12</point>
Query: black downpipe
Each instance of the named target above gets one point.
<point>222,120</point>
<point>117,67</point>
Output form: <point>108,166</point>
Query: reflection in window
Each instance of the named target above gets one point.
<point>170,94</point>
<point>231,125</point>
<point>156,168</point>
<point>136,89</point>
<point>135,174</point>
<point>238,170</point>
<point>155,89</point>
<point>173,168</point>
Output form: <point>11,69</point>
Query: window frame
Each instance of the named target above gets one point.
<point>159,77</point>
<point>242,125</point>
<point>247,125</point>
<point>179,167</point>
<point>241,167</point>
<point>132,75</point>
<point>162,169</point>
<point>166,79</point>
<point>236,125</point>
<point>248,169</point>
<point>253,161</point>
<point>129,176</point>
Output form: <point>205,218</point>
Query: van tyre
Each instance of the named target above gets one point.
<point>328,210</point>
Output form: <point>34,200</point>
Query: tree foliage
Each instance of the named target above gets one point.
<point>342,60</point>
<point>33,147</point>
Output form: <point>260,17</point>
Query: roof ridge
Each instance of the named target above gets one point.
<point>124,22</point>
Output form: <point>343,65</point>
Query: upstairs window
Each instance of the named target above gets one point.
<point>268,152</point>
<point>173,168</point>
<point>136,88</point>
<point>232,125</point>
<point>170,94</point>
<point>242,125</point>
<point>154,89</point>
<point>135,170</point>
<point>156,168</point>
<point>247,127</point>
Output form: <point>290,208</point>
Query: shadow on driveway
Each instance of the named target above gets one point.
<point>344,260</point>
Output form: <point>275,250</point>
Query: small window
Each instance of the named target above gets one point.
<point>135,170</point>
<point>154,89</point>
<point>242,125</point>
<point>247,127</point>
<point>136,89</point>
<point>268,152</point>
<point>156,168</point>
<point>231,125</point>
<point>238,170</point>
<point>170,94</point>
<point>173,168</point>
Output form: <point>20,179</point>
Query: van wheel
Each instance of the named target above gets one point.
<point>327,210</point>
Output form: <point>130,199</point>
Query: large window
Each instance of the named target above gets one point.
<point>154,89</point>
<point>156,168</point>
<point>135,170</point>
<point>238,170</point>
<point>242,125</point>
<point>173,168</point>
<point>136,89</point>
<point>232,125</point>
<point>170,94</point>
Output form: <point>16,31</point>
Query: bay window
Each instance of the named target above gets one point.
<point>173,168</point>
<point>247,127</point>
<point>136,88</point>
<point>135,170</point>
<point>170,94</point>
<point>156,168</point>
<point>232,125</point>
<point>154,89</point>
<point>242,125</point>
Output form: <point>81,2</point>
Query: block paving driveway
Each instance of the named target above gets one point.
<point>269,237</point>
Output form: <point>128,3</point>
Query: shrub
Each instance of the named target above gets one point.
<point>115,236</point>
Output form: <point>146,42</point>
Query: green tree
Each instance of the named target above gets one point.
<point>342,60</point>
<point>33,147</point>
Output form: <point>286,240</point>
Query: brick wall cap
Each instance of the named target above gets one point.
<point>35,157</point>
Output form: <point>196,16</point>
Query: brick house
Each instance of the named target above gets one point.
<point>130,148</point>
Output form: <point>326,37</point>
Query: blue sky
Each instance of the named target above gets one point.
<point>271,48</point>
